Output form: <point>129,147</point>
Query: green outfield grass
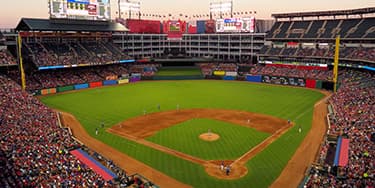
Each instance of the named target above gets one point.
<point>115,104</point>
<point>246,138</point>
<point>183,71</point>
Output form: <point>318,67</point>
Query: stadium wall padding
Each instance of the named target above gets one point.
<point>135,79</point>
<point>310,83</point>
<point>65,88</point>
<point>219,73</point>
<point>318,84</point>
<point>327,85</point>
<point>44,91</point>
<point>48,91</point>
<point>81,86</point>
<point>254,78</point>
<point>95,84</point>
<point>282,80</point>
<point>229,78</point>
<point>109,82</point>
<point>124,81</point>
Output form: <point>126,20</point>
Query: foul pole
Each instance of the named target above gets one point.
<point>19,45</point>
<point>336,63</point>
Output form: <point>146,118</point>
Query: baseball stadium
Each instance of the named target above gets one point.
<point>98,95</point>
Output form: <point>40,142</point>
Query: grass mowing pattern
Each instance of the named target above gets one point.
<point>114,104</point>
<point>183,71</point>
<point>245,138</point>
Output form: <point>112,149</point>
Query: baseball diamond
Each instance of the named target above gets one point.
<point>171,135</point>
<point>108,94</point>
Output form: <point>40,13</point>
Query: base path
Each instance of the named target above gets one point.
<point>306,153</point>
<point>129,164</point>
<point>154,122</point>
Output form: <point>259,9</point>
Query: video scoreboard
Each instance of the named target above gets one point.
<point>80,9</point>
<point>235,25</point>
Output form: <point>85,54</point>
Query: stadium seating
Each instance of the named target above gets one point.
<point>314,28</point>
<point>323,29</point>
<point>292,72</point>
<point>35,150</point>
<point>350,53</point>
<point>6,58</point>
<point>353,118</point>
<point>74,53</point>
<point>71,76</point>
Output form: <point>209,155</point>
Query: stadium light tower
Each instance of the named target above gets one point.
<point>221,8</point>
<point>131,6</point>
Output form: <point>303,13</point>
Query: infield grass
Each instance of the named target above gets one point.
<point>115,104</point>
<point>245,138</point>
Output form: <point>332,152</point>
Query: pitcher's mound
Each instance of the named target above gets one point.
<point>209,137</point>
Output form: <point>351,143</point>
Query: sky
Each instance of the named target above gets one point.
<point>11,11</point>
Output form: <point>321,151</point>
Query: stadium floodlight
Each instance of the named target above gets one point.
<point>221,8</point>
<point>131,6</point>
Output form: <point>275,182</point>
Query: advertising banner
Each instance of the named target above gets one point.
<point>48,91</point>
<point>65,88</point>
<point>134,79</point>
<point>219,73</point>
<point>124,81</point>
<point>310,83</point>
<point>231,74</point>
<point>229,78</point>
<point>81,86</point>
<point>254,78</point>
<point>283,80</point>
<point>109,82</point>
<point>95,84</point>
<point>44,91</point>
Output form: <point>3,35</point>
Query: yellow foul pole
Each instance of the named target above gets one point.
<point>336,63</point>
<point>23,81</point>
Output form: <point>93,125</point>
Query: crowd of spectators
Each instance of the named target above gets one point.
<point>353,118</point>
<point>92,53</point>
<point>353,53</point>
<point>34,150</point>
<point>209,68</point>
<point>242,69</point>
<point>6,58</point>
<point>70,76</point>
<point>325,75</point>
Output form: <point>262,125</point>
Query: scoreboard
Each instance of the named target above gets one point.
<point>235,25</point>
<point>174,26</point>
<point>80,9</point>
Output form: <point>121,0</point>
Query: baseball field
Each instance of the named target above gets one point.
<point>161,124</point>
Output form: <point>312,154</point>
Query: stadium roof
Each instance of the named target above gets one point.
<point>368,10</point>
<point>32,24</point>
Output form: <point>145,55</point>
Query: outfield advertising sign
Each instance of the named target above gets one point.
<point>281,80</point>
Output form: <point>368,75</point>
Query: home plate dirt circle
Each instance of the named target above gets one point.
<point>210,137</point>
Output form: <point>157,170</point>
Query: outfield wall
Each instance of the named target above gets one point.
<point>219,75</point>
